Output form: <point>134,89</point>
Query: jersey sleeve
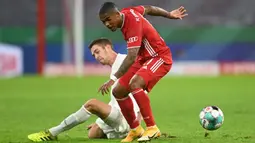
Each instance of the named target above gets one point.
<point>133,34</point>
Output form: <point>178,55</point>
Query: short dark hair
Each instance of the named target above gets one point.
<point>100,41</point>
<point>107,6</point>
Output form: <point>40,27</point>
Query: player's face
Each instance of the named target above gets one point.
<point>100,53</point>
<point>111,20</point>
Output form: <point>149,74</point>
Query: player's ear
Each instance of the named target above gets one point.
<point>115,13</point>
<point>119,14</point>
<point>108,47</point>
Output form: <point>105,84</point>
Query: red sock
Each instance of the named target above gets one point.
<point>127,109</point>
<point>143,102</point>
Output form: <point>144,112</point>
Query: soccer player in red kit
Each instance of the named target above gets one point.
<point>148,60</point>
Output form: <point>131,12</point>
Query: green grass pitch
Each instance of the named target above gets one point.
<point>31,104</point>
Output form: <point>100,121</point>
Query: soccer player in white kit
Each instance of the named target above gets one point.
<point>110,123</point>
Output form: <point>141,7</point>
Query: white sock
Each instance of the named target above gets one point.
<point>115,120</point>
<point>71,121</point>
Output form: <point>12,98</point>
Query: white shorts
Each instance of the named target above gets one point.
<point>115,126</point>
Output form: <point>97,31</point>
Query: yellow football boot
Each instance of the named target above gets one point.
<point>150,133</point>
<point>133,134</point>
<point>41,136</point>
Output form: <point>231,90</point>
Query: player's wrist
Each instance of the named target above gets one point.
<point>165,14</point>
<point>113,77</point>
<point>169,15</point>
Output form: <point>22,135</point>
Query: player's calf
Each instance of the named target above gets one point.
<point>142,99</point>
<point>125,102</point>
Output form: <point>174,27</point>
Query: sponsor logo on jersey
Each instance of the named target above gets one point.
<point>132,39</point>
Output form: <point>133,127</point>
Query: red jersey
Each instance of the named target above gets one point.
<point>138,32</point>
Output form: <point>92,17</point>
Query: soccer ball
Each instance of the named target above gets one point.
<point>211,118</point>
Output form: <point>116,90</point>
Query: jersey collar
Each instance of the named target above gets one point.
<point>123,20</point>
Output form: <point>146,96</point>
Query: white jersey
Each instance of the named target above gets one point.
<point>116,65</point>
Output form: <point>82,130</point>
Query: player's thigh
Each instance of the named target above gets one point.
<point>122,87</point>
<point>96,132</point>
<point>152,71</point>
<point>98,108</point>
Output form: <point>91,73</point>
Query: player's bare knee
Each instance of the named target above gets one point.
<point>91,105</point>
<point>133,86</point>
<point>136,82</point>
<point>117,93</point>
<point>90,102</point>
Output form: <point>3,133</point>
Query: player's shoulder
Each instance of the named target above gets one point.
<point>127,20</point>
<point>119,59</point>
<point>136,9</point>
<point>130,14</point>
<point>126,9</point>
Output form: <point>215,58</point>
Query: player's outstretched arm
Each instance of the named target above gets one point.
<point>178,13</point>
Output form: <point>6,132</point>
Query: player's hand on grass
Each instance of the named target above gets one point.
<point>178,13</point>
<point>104,89</point>
<point>90,126</point>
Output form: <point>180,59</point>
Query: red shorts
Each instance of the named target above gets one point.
<point>151,71</point>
